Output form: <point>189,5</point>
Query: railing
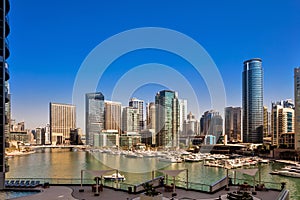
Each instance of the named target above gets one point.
<point>218,185</point>
<point>136,188</point>
<point>269,185</point>
<point>284,195</point>
<point>192,186</point>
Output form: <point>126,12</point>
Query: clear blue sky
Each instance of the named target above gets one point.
<point>49,40</point>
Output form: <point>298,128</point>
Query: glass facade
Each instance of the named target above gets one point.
<point>253,101</point>
<point>297,107</point>
<point>94,116</point>
<point>167,118</point>
<point>4,96</point>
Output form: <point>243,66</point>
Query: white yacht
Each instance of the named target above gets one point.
<point>114,177</point>
<point>290,171</point>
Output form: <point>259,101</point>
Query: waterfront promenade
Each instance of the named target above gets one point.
<point>72,193</point>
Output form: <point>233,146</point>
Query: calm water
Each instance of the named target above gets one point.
<point>66,164</point>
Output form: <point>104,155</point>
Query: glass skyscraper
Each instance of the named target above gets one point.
<point>297,107</point>
<point>167,118</point>
<point>94,115</point>
<point>253,101</point>
<point>4,96</point>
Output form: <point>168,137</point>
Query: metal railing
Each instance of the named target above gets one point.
<point>136,188</point>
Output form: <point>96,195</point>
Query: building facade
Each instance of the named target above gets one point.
<point>267,122</point>
<point>112,115</point>
<point>139,105</point>
<point>252,101</point>
<point>191,126</point>
<point>130,120</point>
<point>94,116</point>
<point>167,118</point>
<point>282,122</point>
<point>150,112</point>
<point>233,124</point>
<point>297,107</point>
<point>4,96</point>
<point>182,114</point>
<point>62,120</point>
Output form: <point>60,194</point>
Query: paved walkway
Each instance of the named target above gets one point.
<point>51,193</point>
<point>72,193</point>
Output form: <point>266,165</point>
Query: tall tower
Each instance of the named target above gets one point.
<point>112,115</point>
<point>4,76</point>
<point>167,118</point>
<point>130,120</point>
<point>282,120</point>
<point>233,123</point>
<point>297,107</point>
<point>252,101</point>
<point>182,113</point>
<point>139,105</point>
<point>267,121</point>
<point>62,120</point>
<point>94,115</point>
<point>151,115</point>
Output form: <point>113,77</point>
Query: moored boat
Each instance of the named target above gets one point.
<point>115,176</point>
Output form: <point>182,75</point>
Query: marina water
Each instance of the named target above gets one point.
<point>64,164</point>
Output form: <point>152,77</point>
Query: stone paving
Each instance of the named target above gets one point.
<point>72,193</point>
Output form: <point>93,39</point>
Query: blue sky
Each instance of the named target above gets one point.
<point>50,39</point>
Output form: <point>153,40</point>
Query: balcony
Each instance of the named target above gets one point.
<point>6,72</point>
<point>6,95</point>
<point>7,27</point>
<point>7,6</point>
<point>7,52</point>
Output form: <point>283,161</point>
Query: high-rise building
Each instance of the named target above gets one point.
<point>150,115</point>
<point>130,120</point>
<point>4,96</point>
<point>191,126</point>
<point>267,121</point>
<point>252,101</point>
<point>233,124</point>
<point>167,118</point>
<point>282,121</point>
<point>139,105</point>
<point>112,115</point>
<point>297,107</point>
<point>206,120</point>
<point>182,113</point>
<point>62,120</point>
<point>94,116</point>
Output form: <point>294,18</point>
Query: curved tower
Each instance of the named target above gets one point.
<point>4,76</point>
<point>253,101</point>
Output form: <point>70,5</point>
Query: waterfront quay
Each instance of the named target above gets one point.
<point>72,192</point>
<point>56,167</point>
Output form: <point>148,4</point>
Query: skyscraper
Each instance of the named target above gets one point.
<point>94,115</point>
<point>182,113</point>
<point>139,105</point>
<point>233,123</point>
<point>267,121</point>
<point>191,126</point>
<point>252,101</point>
<point>150,115</point>
<point>282,120</point>
<point>4,76</point>
<point>62,120</point>
<point>112,116</point>
<point>206,120</point>
<point>167,118</point>
<point>130,120</point>
<point>297,107</point>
